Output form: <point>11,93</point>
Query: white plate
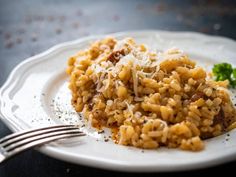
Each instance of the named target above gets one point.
<point>26,101</point>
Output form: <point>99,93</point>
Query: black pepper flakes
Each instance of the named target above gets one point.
<point>18,40</point>
<point>116,18</point>
<point>28,20</point>
<point>79,13</point>
<point>7,35</point>
<point>75,25</point>
<point>62,18</point>
<point>50,18</point>
<point>34,37</point>
<point>38,18</point>
<point>58,31</point>
<point>9,44</point>
<point>140,7</point>
<point>21,31</point>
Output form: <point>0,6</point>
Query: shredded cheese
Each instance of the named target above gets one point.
<point>105,69</point>
<point>130,108</point>
<point>135,81</point>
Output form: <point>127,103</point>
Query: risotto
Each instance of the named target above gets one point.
<point>149,99</point>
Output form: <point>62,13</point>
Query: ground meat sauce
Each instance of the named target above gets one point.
<point>115,56</point>
<point>197,96</point>
<point>220,119</point>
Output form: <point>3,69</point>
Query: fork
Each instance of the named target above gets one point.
<point>15,143</point>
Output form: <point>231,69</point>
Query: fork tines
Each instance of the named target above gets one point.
<point>21,141</point>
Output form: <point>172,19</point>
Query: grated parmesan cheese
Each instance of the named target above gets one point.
<point>105,69</point>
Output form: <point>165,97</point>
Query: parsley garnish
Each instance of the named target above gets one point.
<point>225,71</point>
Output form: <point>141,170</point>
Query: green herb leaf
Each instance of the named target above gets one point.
<point>234,72</point>
<point>225,71</point>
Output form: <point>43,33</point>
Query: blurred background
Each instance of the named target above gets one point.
<point>28,27</point>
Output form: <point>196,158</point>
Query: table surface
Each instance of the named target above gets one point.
<point>30,27</point>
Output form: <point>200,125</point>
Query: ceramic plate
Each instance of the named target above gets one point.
<point>36,94</point>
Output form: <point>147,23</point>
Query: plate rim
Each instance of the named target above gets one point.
<point>101,163</point>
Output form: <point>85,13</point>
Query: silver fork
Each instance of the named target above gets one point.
<point>18,142</point>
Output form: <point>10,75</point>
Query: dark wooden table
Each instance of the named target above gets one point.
<point>30,27</point>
